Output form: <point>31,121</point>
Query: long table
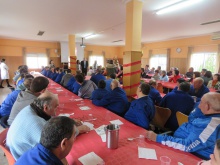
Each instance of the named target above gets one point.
<point>127,152</point>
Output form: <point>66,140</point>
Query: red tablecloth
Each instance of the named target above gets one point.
<point>127,152</point>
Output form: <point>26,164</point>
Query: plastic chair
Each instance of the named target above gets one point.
<point>181,118</point>
<point>160,87</point>
<point>160,118</point>
<point>10,158</point>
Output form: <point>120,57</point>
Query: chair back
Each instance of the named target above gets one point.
<point>160,87</point>
<point>10,158</point>
<point>161,116</point>
<point>181,118</point>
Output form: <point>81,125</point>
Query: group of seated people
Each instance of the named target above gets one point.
<point>211,81</point>
<point>32,102</point>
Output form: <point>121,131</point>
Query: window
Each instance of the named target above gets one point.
<point>159,60</point>
<point>204,60</point>
<point>98,58</point>
<point>36,61</point>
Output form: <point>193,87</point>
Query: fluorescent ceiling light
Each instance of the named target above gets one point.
<point>90,36</point>
<point>176,6</point>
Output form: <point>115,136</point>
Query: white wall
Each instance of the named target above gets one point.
<point>65,52</point>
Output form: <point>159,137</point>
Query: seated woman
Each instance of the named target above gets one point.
<point>215,83</point>
<point>164,76</point>
<point>207,77</point>
<point>175,77</point>
<point>143,74</point>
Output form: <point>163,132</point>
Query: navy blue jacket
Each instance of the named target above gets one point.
<point>99,94</point>
<point>97,77</point>
<point>203,90</point>
<point>116,101</point>
<point>155,95</point>
<point>5,108</point>
<point>70,83</point>
<point>38,155</point>
<point>141,112</point>
<point>75,87</point>
<point>177,101</point>
<point>59,77</point>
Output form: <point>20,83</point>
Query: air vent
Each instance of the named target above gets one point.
<point>40,33</point>
<point>210,22</point>
<point>216,36</point>
<point>117,41</point>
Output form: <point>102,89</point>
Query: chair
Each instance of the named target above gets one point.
<point>160,87</point>
<point>160,118</point>
<point>10,158</point>
<point>181,118</point>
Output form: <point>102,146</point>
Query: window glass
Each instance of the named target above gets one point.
<point>98,58</point>
<point>159,60</point>
<point>204,60</point>
<point>36,61</point>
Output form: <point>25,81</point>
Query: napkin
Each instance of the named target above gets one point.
<point>147,153</point>
<point>116,122</point>
<point>84,108</point>
<point>101,132</point>
<point>90,159</point>
<point>59,90</point>
<point>64,114</point>
<point>90,125</point>
<point>78,99</point>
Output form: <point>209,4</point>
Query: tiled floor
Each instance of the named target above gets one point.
<point>3,93</point>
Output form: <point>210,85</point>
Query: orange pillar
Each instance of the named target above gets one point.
<point>133,53</point>
<point>72,53</point>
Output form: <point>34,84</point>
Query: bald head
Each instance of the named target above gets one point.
<point>213,100</point>
<point>47,102</point>
<point>115,84</point>
<point>198,82</point>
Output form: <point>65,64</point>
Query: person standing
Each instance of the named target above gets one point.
<point>84,66</point>
<point>4,73</point>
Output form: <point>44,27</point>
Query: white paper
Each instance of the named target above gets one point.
<point>64,114</point>
<point>100,131</point>
<point>78,99</point>
<point>90,159</point>
<point>59,90</point>
<point>90,125</point>
<point>147,153</point>
<point>103,137</point>
<point>84,108</point>
<point>116,122</point>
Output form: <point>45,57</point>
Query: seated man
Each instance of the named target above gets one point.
<point>116,101</point>
<point>6,106</point>
<point>87,87</point>
<point>38,86</point>
<point>154,93</point>
<point>25,134</point>
<point>142,110</point>
<point>198,89</point>
<point>100,92</point>
<point>180,80</point>
<point>66,78</point>
<point>178,100</point>
<point>59,76</point>
<point>199,134</point>
<point>189,74</point>
<point>56,141</point>
<point>108,82</point>
<point>98,76</point>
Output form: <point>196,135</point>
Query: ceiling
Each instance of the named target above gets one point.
<point>23,19</point>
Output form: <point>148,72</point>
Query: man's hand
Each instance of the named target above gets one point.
<point>78,122</point>
<point>151,135</point>
<point>83,128</point>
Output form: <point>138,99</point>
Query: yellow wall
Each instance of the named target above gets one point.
<point>12,51</point>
